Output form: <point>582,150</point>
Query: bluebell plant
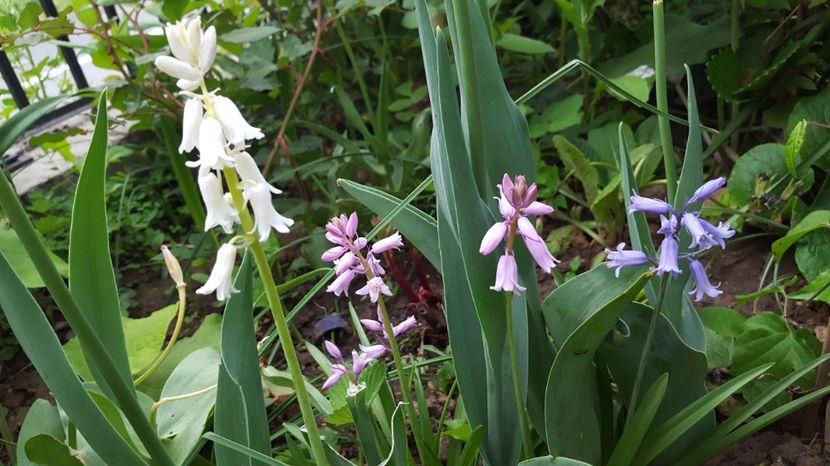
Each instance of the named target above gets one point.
<point>704,236</point>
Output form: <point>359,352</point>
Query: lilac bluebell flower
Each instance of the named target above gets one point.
<point>374,288</point>
<point>620,258</point>
<point>704,236</point>
<point>647,204</point>
<point>516,201</point>
<point>702,284</point>
<point>705,190</point>
<point>668,257</point>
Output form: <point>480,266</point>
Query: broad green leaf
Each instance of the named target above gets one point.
<point>762,161</point>
<point>815,108</point>
<point>145,339</point>
<point>15,253</point>
<point>670,355</point>
<point>206,336</point>
<point>662,435</point>
<point>638,423</point>
<point>495,130</point>
<point>91,276</point>
<point>467,275</point>
<point>813,221</point>
<point>46,450</point>
<point>41,345</point>
<point>240,407</point>
<point>769,338</point>
<point>415,225</point>
<point>571,399</point>
<point>42,418</point>
<point>195,373</point>
<point>522,44</point>
<point>249,34</point>
<point>812,254</point>
<point>551,461</point>
<point>722,326</point>
<point>818,289</point>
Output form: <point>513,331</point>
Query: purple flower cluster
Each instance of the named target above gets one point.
<point>350,261</point>
<point>368,353</point>
<point>704,236</point>
<point>517,201</point>
<point>360,361</point>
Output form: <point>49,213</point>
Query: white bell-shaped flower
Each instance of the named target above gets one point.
<point>187,85</point>
<point>249,171</point>
<point>237,130</point>
<point>211,146</point>
<point>191,121</point>
<point>265,216</point>
<point>178,69</point>
<point>219,212</point>
<point>221,277</point>
<point>207,51</point>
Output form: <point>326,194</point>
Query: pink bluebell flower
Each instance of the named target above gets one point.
<point>352,256</point>
<point>360,360</point>
<point>516,202</point>
<point>377,325</point>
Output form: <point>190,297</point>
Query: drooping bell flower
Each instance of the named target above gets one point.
<point>211,145</point>
<point>218,211</point>
<point>507,275</point>
<point>265,216</point>
<point>221,277</point>
<point>191,121</point>
<point>516,202</point>
<point>373,325</point>
<point>668,257</point>
<point>702,284</point>
<point>374,288</point>
<point>236,129</point>
<point>620,258</point>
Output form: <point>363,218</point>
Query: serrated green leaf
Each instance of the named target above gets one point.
<point>793,147</point>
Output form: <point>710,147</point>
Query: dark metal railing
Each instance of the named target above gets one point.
<point>13,161</point>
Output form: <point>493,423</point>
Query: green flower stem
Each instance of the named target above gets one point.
<point>662,99</point>
<point>274,302</point>
<point>527,442</point>
<point>641,367</point>
<point>121,388</point>
<point>278,314</point>
<point>182,289</point>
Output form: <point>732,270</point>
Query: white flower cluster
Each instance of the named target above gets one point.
<point>216,128</point>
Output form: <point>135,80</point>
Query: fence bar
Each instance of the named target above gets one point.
<point>68,52</point>
<point>10,78</point>
<point>110,11</point>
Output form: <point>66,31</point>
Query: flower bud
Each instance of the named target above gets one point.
<point>173,267</point>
